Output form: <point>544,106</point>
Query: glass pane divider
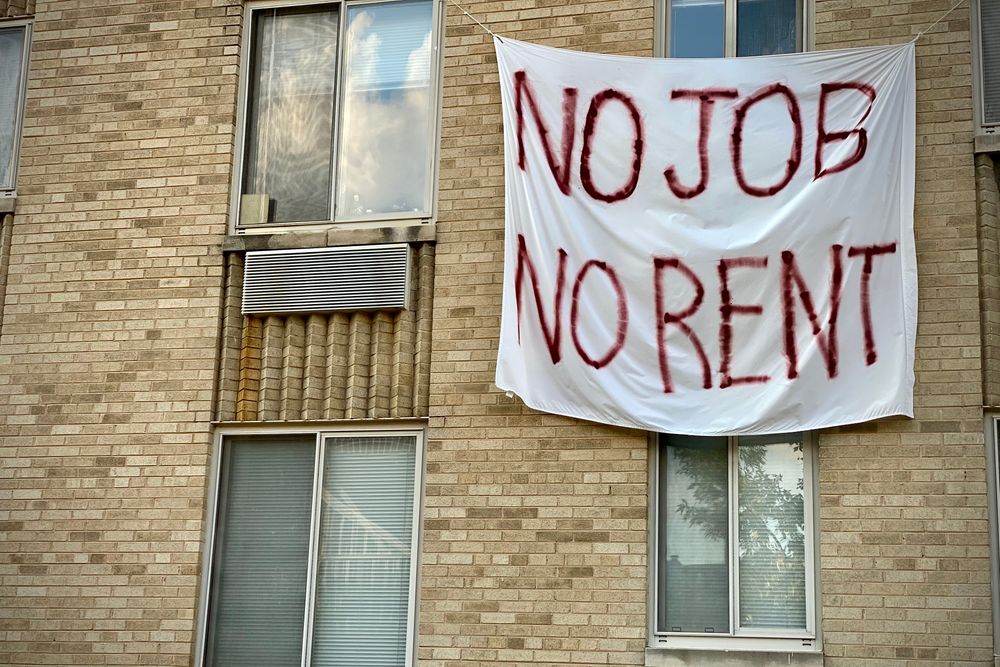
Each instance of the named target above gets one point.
<point>730,35</point>
<point>314,520</point>
<point>338,106</point>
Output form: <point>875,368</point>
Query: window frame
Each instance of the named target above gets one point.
<point>991,429</point>
<point>756,639</point>
<point>27,23</point>
<point>321,433</point>
<point>661,28</point>
<point>346,222</point>
<point>978,75</point>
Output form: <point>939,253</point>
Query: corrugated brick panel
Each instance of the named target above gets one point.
<point>17,8</point>
<point>326,366</point>
<point>6,223</point>
<point>988,196</point>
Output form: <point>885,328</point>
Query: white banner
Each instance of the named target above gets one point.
<point>709,246</point>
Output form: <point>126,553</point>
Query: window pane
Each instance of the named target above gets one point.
<point>363,587</point>
<point>384,147</point>
<point>290,117</point>
<point>697,29</point>
<point>772,532</point>
<point>765,27</point>
<point>11,62</point>
<point>694,535</point>
<point>261,552</point>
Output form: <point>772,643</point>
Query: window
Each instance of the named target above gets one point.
<point>13,71</point>
<point>986,31</point>
<point>718,28</point>
<point>313,556</point>
<point>339,117</point>
<point>734,543</point>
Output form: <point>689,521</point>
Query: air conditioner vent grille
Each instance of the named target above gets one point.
<point>326,279</point>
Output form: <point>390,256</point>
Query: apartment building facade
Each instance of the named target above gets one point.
<point>251,264</point>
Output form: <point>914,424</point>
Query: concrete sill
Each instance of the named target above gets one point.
<point>672,657</point>
<point>425,233</point>
<point>987,143</point>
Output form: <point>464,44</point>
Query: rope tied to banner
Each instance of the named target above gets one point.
<point>940,18</point>
<point>462,9</point>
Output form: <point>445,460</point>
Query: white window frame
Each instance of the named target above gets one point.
<point>978,81</point>
<point>661,30</point>
<point>755,639</point>
<point>991,428</point>
<point>11,189</point>
<point>347,222</point>
<point>321,434</point>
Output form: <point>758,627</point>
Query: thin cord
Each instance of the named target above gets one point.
<point>942,18</point>
<point>481,25</point>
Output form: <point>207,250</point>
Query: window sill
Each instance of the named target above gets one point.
<point>425,233</point>
<point>987,143</point>
<point>673,657</point>
<point>7,204</point>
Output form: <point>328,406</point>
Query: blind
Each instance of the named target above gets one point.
<point>989,30</point>
<point>389,45</point>
<point>258,586</point>
<point>771,532</point>
<point>11,63</point>
<point>363,582</point>
<point>694,526</point>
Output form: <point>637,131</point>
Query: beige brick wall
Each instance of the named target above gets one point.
<point>534,545</point>
<point>905,548</point>
<point>535,525</point>
<point>108,346</point>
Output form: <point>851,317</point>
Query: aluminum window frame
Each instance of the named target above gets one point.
<point>661,27</point>
<point>10,190</point>
<point>434,126</point>
<point>991,430</point>
<point>978,74</point>
<point>790,640</point>
<point>321,433</point>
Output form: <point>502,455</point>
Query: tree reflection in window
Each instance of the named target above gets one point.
<point>696,556</point>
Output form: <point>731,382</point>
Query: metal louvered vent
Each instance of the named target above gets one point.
<point>989,31</point>
<point>326,279</point>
